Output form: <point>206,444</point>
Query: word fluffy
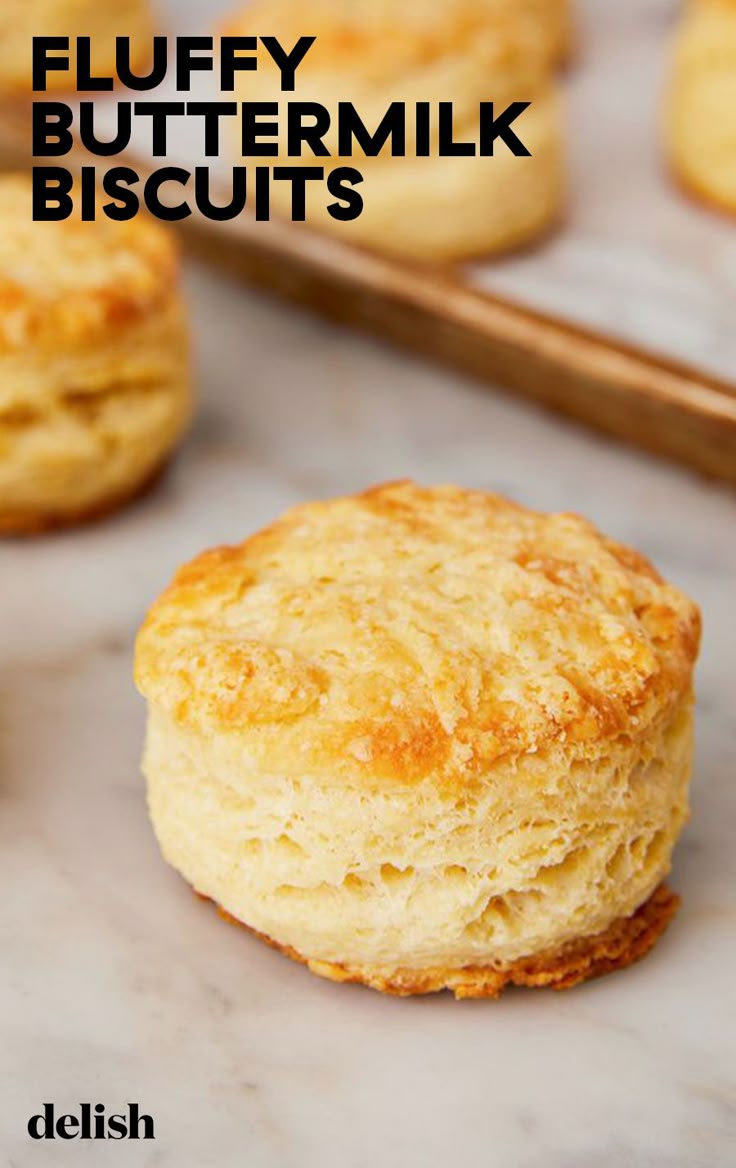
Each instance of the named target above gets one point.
<point>188,55</point>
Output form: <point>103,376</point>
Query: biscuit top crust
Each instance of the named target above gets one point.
<point>411,632</point>
<point>371,38</point>
<point>71,282</point>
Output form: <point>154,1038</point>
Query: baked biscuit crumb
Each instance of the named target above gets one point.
<point>425,737</point>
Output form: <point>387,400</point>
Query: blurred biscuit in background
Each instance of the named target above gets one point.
<point>101,20</point>
<point>94,364</point>
<point>552,19</point>
<point>700,114</point>
<point>372,54</point>
<point>425,738</point>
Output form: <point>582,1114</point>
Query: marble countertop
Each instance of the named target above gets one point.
<point>117,984</point>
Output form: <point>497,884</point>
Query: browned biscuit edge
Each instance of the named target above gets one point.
<point>625,941</point>
<point>28,524</point>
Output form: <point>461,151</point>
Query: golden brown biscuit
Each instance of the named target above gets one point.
<point>94,367</point>
<point>372,54</point>
<point>700,116</point>
<point>101,20</point>
<point>425,738</point>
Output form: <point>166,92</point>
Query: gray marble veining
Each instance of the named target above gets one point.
<point>117,984</point>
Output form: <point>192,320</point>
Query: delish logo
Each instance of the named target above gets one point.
<point>91,1124</point>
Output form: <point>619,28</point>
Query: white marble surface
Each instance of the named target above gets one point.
<point>116,984</point>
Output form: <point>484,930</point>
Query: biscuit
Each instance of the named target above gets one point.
<point>94,365</point>
<point>101,20</point>
<point>700,113</point>
<point>552,20</point>
<point>371,54</point>
<point>425,738</point>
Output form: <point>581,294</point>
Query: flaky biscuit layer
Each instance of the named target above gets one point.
<point>534,854</point>
<point>420,729</point>
<point>94,361</point>
<point>624,942</point>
